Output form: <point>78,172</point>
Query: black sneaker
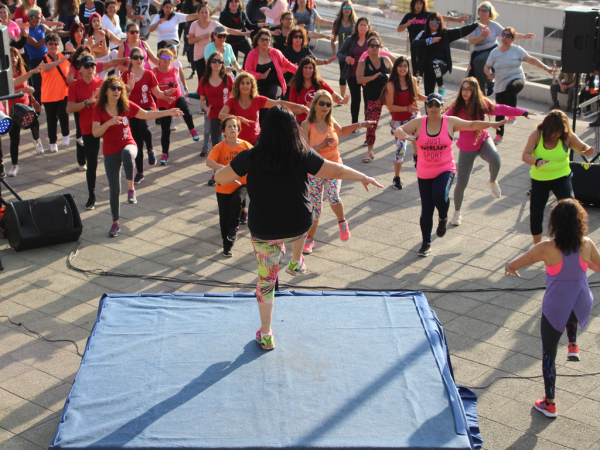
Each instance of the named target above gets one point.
<point>490,90</point>
<point>243,217</point>
<point>204,151</point>
<point>425,249</point>
<point>441,229</point>
<point>232,236</point>
<point>227,253</point>
<point>91,203</point>
<point>2,170</point>
<point>396,183</point>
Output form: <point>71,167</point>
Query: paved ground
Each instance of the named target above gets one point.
<point>173,232</point>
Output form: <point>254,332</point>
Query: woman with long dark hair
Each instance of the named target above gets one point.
<point>111,121</point>
<point>282,159</point>
<point>66,11</point>
<point>133,40</point>
<point>305,82</point>
<point>342,27</point>
<point>373,73</point>
<point>296,49</point>
<point>99,41</point>
<point>76,37</point>
<point>568,299</point>
<point>234,17</point>
<point>471,104</point>
<point>307,16</point>
<point>433,47</point>
<point>401,99</point>
<point>166,23</point>
<point>547,152</point>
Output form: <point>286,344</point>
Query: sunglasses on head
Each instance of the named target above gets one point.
<point>374,45</point>
<point>507,35</point>
<point>138,57</point>
<point>324,103</point>
<point>435,22</point>
<point>216,61</point>
<point>115,88</point>
<point>433,104</point>
<point>346,7</point>
<point>89,66</point>
<point>167,57</point>
<point>134,31</point>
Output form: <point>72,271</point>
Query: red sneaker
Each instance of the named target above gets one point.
<point>344,231</point>
<point>547,409</point>
<point>308,246</point>
<point>573,353</point>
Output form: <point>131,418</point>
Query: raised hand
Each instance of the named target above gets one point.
<point>94,98</point>
<point>263,76</point>
<point>130,83</point>
<point>327,142</point>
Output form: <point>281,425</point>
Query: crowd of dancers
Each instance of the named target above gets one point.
<point>269,118</point>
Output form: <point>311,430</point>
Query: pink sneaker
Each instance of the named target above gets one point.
<point>344,231</point>
<point>308,246</point>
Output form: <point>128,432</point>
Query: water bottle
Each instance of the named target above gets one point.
<point>596,83</point>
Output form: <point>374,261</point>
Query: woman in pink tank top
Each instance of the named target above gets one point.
<point>435,162</point>
<point>568,299</point>
<point>322,133</point>
<point>133,40</point>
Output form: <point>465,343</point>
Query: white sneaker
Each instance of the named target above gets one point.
<point>173,127</point>
<point>456,219</point>
<point>39,146</point>
<point>80,141</point>
<point>53,148</point>
<point>83,168</point>
<point>13,170</point>
<point>495,187</point>
<point>66,140</point>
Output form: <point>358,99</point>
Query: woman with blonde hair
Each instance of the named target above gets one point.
<point>322,133</point>
<point>547,152</point>
<point>110,120</point>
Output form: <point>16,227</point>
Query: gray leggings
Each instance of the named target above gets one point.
<point>466,160</point>
<point>215,131</point>
<point>112,166</point>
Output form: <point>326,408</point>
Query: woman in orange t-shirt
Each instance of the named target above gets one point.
<point>322,133</point>
<point>232,196</point>
<point>55,91</point>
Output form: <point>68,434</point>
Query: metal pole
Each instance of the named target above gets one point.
<point>575,108</point>
<point>474,10</point>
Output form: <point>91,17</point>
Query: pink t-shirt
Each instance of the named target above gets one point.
<point>381,53</point>
<point>200,46</point>
<point>13,29</point>
<point>434,152</point>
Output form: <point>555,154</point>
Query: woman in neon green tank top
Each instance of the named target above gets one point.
<point>547,152</point>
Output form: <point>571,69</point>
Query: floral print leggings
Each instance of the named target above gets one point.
<point>373,112</point>
<point>316,188</point>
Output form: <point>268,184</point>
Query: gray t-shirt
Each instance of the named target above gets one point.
<point>306,18</point>
<point>141,9</point>
<point>507,65</point>
<point>495,31</point>
<point>343,33</point>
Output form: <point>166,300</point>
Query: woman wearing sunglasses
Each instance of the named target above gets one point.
<point>433,47</point>
<point>506,61</point>
<point>401,99</point>
<point>306,82</point>
<point>142,87</point>
<point>373,72</point>
<point>168,78</point>
<point>110,120</point>
<point>99,41</point>
<point>133,41</point>
<point>218,44</point>
<point>472,105</point>
<point>342,28</point>
<point>434,161</point>
<point>322,133</point>
<point>246,104</point>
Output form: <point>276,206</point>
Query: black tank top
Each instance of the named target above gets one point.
<point>374,88</point>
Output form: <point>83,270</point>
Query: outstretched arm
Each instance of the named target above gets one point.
<point>334,171</point>
<point>536,254</point>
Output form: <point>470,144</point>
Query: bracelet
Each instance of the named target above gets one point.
<point>359,124</point>
<point>506,267</point>
<point>537,161</point>
<point>85,103</point>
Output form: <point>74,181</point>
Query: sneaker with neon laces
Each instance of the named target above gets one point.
<point>308,246</point>
<point>131,196</point>
<point>498,139</point>
<point>164,159</point>
<point>194,134</point>
<point>295,268</point>
<point>267,342</point>
<point>495,188</point>
<point>547,409</point>
<point>573,354</point>
<point>151,158</point>
<point>456,219</point>
<point>344,230</point>
<point>66,141</point>
<point>114,230</point>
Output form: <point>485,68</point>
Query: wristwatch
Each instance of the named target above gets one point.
<point>85,103</point>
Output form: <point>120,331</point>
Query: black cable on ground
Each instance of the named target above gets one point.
<point>19,324</point>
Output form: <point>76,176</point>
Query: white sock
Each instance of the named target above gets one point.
<point>262,335</point>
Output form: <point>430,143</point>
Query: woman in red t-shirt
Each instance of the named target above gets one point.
<point>246,105</point>
<point>20,77</point>
<point>140,83</point>
<point>168,78</point>
<point>305,82</point>
<point>111,121</point>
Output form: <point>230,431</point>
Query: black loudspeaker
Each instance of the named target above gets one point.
<point>42,222</point>
<point>7,86</point>
<point>579,43</point>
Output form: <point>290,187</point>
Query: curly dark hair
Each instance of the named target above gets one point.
<point>122,103</point>
<point>554,122</point>
<point>289,40</point>
<point>568,225</point>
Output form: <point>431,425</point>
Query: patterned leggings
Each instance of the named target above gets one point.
<point>400,144</point>
<point>550,339</point>
<point>373,112</point>
<point>269,255</point>
<point>316,188</point>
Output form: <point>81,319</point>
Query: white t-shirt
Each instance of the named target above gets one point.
<point>168,29</point>
<point>495,31</point>
<point>115,29</point>
<point>507,65</point>
<point>200,46</point>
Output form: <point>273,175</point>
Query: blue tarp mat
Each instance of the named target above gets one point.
<point>360,370</point>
